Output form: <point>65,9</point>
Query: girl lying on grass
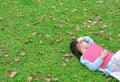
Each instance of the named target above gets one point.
<point>95,57</point>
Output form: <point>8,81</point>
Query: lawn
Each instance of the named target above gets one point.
<point>35,37</point>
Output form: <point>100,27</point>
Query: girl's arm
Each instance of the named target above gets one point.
<point>88,39</point>
<point>97,63</point>
<point>92,66</point>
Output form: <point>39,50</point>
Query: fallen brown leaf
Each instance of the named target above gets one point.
<point>37,78</point>
<point>47,79</point>
<point>29,79</point>
<point>22,53</point>
<point>63,59</point>
<point>74,10</point>
<point>85,75</point>
<point>29,40</point>
<point>38,1</point>
<point>34,33</point>
<point>99,1</point>
<point>68,55</point>
<point>17,60</point>
<point>11,73</point>
<point>78,28</point>
<point>54,79</point>
<point>59,39</point>
<point>64,64</point>
<point>75,76</point>
<point>63,51</point>
<point>119,35</point>
<point>108,39</point>
<point>40,41</point>
<point>41,53</point>
<point>20,15</point>
<point>47,36</point>
<point>48,75</point>
<point>1,18</point>
<point>66,60</point>
<point>55,9</point>
<point>108,79</point>
<point>101,33</point>
<point>70,33</point>
<point>102,45</point>
<point>6,55</point>
<point>33,74</point>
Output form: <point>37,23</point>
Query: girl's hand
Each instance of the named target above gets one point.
<point>104,53</point>
<point>80,39</point>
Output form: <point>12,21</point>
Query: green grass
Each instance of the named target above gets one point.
<point>43,29</point>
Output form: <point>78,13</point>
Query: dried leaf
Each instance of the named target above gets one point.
<point>74,10</point>
<point>35,10</point>
<point>55,9</point>
<point>88,26</point>
<point>11,74</point>
<point>85,75</point>
<point>104,25</point>
<point>37,78</point>
<point>68,55</point>
<point>34,33</point>
<point>59,39</point>
<point>28,25</point>
<point>75,76</point>
<point>29,79</point>
<point>66,60</point>
<point>41,53</point>
<point>101,33</point>
<point>63,51</point>
<point>64,64</point>
<point>20,15</point>
<point>22,53</point>
<point>33,74</point>
<point>17,60</point>
<point>40,41</point>
<point>78,28</point>
<point>47,79</point>
<point>90,32</point>
<point>38,1</point>
<point>1,18</point>
<point>108,39</point>
<point>37,22</point>
<point>63,59</point>
<point>70,33</point>
<point>29,40</point>
<point>99,1</point>
<point>48,75</point>
<point>6,55</point>
<point>108,79</point>
<point>52,42</point>
<point>102,45</point>
<point>47,36</point>
<point>54,79</point>
<point>110,33</point>
<point>119,35</point>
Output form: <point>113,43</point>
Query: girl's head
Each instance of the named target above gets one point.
<point>78,46</point>
<point>74,49</point>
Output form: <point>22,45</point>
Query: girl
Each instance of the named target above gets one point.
<point>79,47</point>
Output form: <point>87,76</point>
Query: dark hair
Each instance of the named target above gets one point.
<point>74,50</point>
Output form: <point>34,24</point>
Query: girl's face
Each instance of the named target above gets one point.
<point>81,43</point>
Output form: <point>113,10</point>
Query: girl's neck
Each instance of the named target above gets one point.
<point>83,50</point>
